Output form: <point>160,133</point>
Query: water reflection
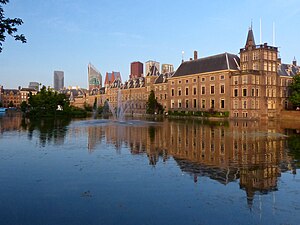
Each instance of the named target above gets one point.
<point>250,153</point>
<point>48,130</point>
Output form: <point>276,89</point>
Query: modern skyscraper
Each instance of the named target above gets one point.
<point>94,78</point>
<point>136,70</point>
<point>167,68</point>
<point>149,64</point>
<point>58,80</point>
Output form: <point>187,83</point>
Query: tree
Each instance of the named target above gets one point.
<point>152,104</point>
<point>9,26</point>
<point>295,91</point>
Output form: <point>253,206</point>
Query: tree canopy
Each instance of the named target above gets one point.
<point>9,26</point>
<point>152,104</point>
<point>295,91</point>
<point>47,103</point>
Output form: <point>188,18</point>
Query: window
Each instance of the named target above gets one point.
<point>172,92</point>
<point>179,103</point>
<point>195,103</point>
<point>244,57</point>
<point>244,104</point>
<point>222,89</point>
<point>172,103</point>
<point>179,92</point>
<point>212,89</point>
<point>222,77</point>
<point>203,104</point>
<point>203,90</point>
<point>235,80</point>
<point>194,80</point>
<point>244,92</point>
<point>186,81</point>
<point>212,103</point>
<point>203,79</point>
<point>235,104</point>
<point>252,92</point>
<point>195,91</point>
<point>179,82</point>
<point>186,91</point>
<point>222,103</point>
<point>235,93</point>
<point>186,103</point>
<point>212,78</point>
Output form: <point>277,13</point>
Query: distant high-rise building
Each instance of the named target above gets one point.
<point>167,68</point>
<point>95,78</point>
<point>136,69</point>
<point>34,85</point>
<point>58,80</point>
<point>111,77</point>
<point>151,63</point>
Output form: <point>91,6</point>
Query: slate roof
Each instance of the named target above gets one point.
<point>163,78</point>
<point>134,83</point>
<point>225,61</point>
<point>250,38</point>
<point>153,71</point>
<point>288,70</point>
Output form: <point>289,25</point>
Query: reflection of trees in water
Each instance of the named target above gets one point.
<point>294,146</point>
<point>49,129</point>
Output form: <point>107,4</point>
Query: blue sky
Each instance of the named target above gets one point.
<point>68,34</point>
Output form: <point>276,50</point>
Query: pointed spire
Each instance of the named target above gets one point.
<point>294,61</point>
<point>250,38</point>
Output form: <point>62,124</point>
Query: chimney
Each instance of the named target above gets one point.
<point>191,59</point>
<point>195,55</point>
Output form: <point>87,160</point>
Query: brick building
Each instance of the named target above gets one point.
<point>254,86</point>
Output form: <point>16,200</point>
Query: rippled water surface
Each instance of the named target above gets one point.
<point>148,172</point>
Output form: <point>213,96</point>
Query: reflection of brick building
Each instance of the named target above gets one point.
<point>248,151</point>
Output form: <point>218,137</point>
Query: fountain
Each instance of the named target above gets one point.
<point>120,109</point>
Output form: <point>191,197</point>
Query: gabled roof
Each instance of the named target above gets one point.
<point>288,70</point>
<point>219,62</point>
<point>153,71</point>
<point>163,78</point>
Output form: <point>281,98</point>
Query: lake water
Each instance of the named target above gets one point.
<point>148,172</point>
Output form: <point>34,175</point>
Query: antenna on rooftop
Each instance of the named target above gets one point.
<point>260,35</point>
<point>273,33</point>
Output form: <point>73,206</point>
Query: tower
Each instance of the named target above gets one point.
<point>94,77</point>
<point>58,80</point>
<point>136,69</point>
<point>255,88</point>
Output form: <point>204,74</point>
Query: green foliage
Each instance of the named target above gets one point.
<point>295,91</point>
<point>152,105</point>
<point>46,102</point>
<point>24,107</point>
<point>9,26</point>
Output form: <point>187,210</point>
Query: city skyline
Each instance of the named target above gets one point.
<point>113,40</point>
